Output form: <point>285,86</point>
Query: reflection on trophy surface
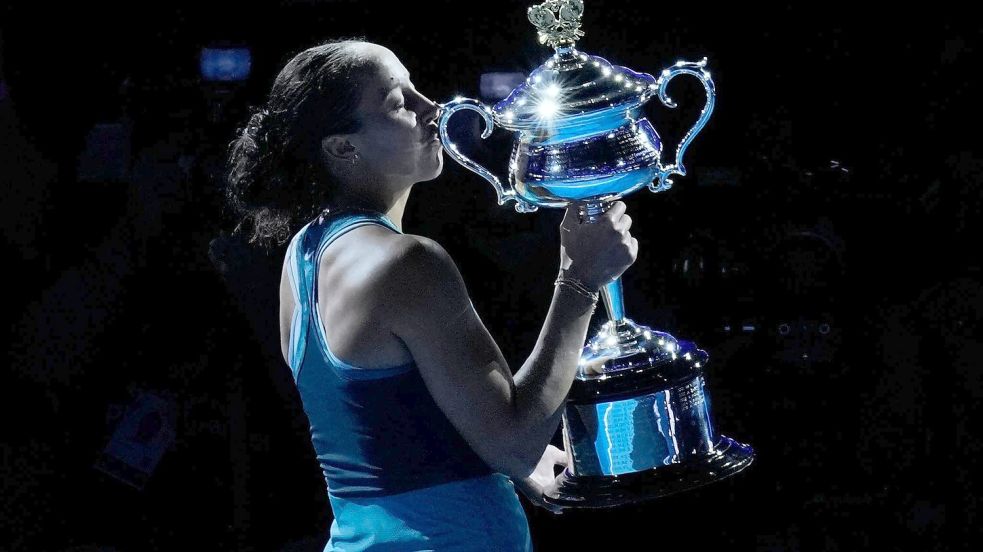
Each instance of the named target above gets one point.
<point>637,423</point>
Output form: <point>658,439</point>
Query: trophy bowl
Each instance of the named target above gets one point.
<point>637,422</point>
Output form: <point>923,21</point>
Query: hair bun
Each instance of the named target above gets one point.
<point>275,175</point>
<point>259,124</point>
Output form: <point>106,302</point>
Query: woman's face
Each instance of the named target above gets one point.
<point>398,122</point>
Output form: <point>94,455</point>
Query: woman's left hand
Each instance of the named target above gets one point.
<point>542,478</point>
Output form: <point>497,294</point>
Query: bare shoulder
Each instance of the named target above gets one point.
<point>413,258</point>
<point>380,270</point>
<point>420,260</point>
<point>379,255</point>
<point>419,275</point>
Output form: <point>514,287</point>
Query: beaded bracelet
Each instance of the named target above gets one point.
<point>578,286</point>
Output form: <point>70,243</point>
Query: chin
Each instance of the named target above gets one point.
<point>436,169</point>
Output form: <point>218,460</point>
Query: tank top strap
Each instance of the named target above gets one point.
<point>372,438</point>
<point>303,258</point>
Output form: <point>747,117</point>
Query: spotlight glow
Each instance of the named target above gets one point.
<point>548,109</point>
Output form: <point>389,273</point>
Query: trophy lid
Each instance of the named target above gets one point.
<point>571,85</point>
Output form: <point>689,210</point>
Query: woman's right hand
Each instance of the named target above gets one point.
<point>596,253</point>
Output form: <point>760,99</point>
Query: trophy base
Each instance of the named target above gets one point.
<point>728,458</point>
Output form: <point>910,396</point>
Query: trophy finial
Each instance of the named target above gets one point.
<point>558,21</point>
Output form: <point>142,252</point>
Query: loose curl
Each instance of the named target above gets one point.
<point>276,180</point>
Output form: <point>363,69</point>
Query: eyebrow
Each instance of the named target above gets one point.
<point>384,91</point>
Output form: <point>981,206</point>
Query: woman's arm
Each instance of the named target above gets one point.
<point>544,380</point>
<point>508,422</point>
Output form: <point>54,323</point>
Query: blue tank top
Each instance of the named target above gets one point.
<point>376,432</point>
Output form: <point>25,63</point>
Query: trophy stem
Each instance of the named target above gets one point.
<point>614,300</point>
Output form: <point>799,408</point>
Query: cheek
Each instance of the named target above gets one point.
<point>392,141</point>
<point>398,135</point>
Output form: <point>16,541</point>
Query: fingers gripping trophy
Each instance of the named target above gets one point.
<point>637,422</point>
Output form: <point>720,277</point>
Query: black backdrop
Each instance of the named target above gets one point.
<point>822,249</point>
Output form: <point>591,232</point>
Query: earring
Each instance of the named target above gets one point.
<point>354,159</point>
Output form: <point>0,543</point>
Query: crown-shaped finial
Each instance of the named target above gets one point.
<point>558,21</point>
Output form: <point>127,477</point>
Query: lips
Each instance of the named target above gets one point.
<point>432,133</point>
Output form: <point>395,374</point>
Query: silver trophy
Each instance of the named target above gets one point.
<point>637,422</point>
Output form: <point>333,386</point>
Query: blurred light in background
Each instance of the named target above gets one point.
<point>496,86</point>
<point>225,64</point>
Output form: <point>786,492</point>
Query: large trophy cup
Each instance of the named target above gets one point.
<point>637,422</point>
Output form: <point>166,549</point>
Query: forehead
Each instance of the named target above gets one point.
<point>383,71</point>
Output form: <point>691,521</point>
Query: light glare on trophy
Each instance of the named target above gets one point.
<point>637,422</point>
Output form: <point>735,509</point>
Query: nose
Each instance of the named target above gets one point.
<point>433,111</point>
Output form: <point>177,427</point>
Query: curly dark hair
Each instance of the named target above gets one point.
<point>275,179</point>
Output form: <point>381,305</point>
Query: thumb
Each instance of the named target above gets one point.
<point>559,456</point>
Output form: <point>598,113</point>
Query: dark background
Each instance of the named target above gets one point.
<point>823,249</point>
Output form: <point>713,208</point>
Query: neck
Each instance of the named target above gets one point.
<point>391,205</point>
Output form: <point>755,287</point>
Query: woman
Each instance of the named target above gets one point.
<point>419,426</point>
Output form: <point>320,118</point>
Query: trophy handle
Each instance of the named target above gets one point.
<point>455,105</point>
<point>697,70</point>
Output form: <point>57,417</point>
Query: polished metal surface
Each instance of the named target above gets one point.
<point>637,422</point>
<point>640,427</point>
<point>580,133</point>
<point>727,458</point>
